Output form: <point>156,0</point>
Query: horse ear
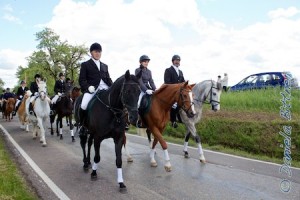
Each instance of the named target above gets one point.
<point>127,75</point>
<point>192,85</point>
<point>186,83</point>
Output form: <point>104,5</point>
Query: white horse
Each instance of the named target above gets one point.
<point>41,109</point>
<point>204,92</point>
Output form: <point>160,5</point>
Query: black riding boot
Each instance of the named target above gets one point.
<point>82,116</point>
<point>31,109</point>
<point>173,117</point>
<point>16,110</point>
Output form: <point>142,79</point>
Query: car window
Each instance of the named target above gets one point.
<point>251,79</point>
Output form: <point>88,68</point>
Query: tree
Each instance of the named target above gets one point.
<point>1,85</point>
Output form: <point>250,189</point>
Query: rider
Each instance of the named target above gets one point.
<point>146,82</point>
<point>93,76</point>
<point>20,94</point>
<point>59,89</point>
<point>7,94</point>
<point>174,75</point>
<point>34,88</point>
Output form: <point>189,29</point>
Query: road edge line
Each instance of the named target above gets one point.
<point>56,190</point>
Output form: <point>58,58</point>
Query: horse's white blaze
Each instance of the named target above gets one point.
<point>95,166</point>
<point>185,146</point>
<point>120,175</point>
<point>192,105</point>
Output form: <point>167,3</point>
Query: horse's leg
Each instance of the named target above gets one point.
<point>149,136</point>
<point>83,139</point>
<point>129,157</point>
<point>71,127</point>
<point>42,130</point>
<point>152,153</point>
<point>118,150</point>
<point>200,150</point>
<point>158,136</point>
<point>186,143</point>
<point>96,158</point>
<point>90,142</point>
<point>60,127</point>
<point>51,123</point>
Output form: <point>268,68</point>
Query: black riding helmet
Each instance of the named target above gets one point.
<point>175,57</point>
<point>37,76</point>
<point>144,57</point>
<point>96,46</point>
<point>61,74</point>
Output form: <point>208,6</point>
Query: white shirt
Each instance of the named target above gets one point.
<point>225,81</point>
<point>102,85</point>
<point>176,69</point>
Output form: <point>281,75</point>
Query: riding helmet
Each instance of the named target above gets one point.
<point>37,76</point>
<point>175,57</point>
<point>22,82</point>
<point>96,46</point>
<point>144,57</point>
<point>61,74</point>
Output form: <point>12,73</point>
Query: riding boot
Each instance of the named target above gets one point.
<point>173,117</point>
<point>82,116</point>
<point>52,109</point>
<point>31,112</point>
<point>15,111</point>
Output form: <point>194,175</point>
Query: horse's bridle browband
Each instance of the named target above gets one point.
<point>209,93</point>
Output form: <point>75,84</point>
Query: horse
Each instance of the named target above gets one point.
<point>158,114</point>
<point>63,108</point>
<point>75,92</point>
<point>9,107</point>
<point>105,118</point>
<point>209,92</point>
<point>22,114</point>
<point>41,108</point>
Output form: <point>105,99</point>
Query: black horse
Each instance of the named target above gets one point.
<point>105,118</point>
<point>63,108</point>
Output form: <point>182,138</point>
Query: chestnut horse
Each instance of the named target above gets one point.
<point>158,115</point>
<point>23,117</point>
<point>9,107</point>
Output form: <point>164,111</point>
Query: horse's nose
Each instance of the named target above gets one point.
<point>191,114</point>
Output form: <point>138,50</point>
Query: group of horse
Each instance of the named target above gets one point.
<point>106,116</point>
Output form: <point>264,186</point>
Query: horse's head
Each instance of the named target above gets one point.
<point>130,94</point>
<point>209,92</point>
<point>42,90</point>
<point>185,100</point>
<point>10,104</point>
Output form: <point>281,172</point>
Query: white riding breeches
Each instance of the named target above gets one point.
<point>86,99</point>
<point>140,98</point>
<point>32,99</point>
<point>53,101</point>
<point>17,103</point>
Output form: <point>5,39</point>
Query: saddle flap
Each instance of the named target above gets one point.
<point>145,104</point>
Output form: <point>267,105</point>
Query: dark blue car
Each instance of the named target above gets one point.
<point>262,80</point>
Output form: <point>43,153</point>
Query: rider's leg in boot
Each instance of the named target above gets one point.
<point>52,109</point>
<point>31,108</point>
<point>82,113</point>
<point>15,111</point>
<point>173,118</point>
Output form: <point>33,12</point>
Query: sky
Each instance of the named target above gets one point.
<point>212,37</point>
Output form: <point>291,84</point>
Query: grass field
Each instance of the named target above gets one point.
<point>12,185</point>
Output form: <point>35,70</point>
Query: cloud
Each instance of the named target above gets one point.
<point>285,13</point>
<point>11,18</point>
<point>160,29</point>
<point>9,62</point>
<point>7,8</point>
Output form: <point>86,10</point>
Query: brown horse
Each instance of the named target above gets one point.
<point>158,115</point>
<point>9,107</point>
<point>23,117</point>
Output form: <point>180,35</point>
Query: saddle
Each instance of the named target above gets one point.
<point>145,105</point>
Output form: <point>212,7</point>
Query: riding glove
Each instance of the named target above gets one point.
<point>91,89</point>
<point>149,92</point>
<point>59,94</point>
<point>36,94</point>
<point>174,105</point>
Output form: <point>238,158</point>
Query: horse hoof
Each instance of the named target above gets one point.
<point>52,133</point>
<point>44,145</point>
<point>85,168</point>
<point>94,175</point>
<point>186,154</point>
<point>73,139</point>
<point>122,187</point>
<point>41,141</point>
<point>153,164</point>
<point>168,168</point>
<point>129,159</point>
<point>202,159</point>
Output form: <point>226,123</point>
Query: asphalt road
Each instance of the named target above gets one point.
<point>222,177</point>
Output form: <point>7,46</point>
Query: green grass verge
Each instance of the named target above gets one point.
<point>12,185</point>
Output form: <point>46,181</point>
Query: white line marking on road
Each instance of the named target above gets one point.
<point>224,154</point>
<point>59,193</point>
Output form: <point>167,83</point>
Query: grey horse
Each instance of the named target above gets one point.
<point>209,92</point>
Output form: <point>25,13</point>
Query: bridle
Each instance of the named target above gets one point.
<point>209,93</point>
<point>117,111</point>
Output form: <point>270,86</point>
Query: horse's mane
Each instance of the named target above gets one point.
<point>162,88</point>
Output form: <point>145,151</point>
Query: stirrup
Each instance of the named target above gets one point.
<point>31,112</point>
